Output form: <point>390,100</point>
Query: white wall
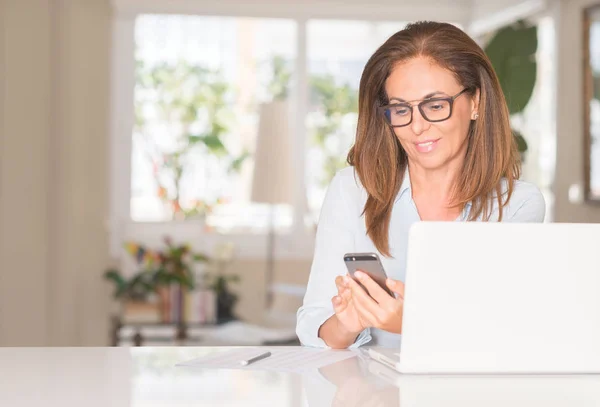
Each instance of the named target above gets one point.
<point>391,10</point>
<point>53,172</point>
<point>24,163</point>
<point>488,15</point>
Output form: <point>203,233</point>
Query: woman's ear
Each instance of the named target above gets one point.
<point>475,105</point>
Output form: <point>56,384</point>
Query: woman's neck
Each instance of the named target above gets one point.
<point>437,184</point>
<point>432,192</point>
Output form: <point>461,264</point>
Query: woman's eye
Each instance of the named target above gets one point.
<point>436,106</point>
<point>401,111</point>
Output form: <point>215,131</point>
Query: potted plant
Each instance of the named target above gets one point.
<point>134,295</point>
<point>160,271</point>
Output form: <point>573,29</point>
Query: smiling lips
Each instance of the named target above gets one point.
<point>426,146</point>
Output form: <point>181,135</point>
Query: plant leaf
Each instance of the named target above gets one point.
<point>521,142</point>
<point>200,257</point>
<point>512,53</point>
<point>120,283</point>
<point>236,165</point>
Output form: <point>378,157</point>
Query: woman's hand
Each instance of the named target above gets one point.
<point>343,305</point>
<point>381,311</point>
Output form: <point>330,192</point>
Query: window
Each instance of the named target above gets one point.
<point>199,83</point>
<point>337,54</point>
<point>591,102</point>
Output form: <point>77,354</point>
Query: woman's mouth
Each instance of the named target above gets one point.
<point>426,146</point>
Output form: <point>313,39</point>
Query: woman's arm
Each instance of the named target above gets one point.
<point>335,335</point>
<point>335,237</point>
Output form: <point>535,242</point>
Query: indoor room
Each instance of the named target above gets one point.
<point>164,164</point>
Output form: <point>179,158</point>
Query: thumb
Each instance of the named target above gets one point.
<point>396,286</point>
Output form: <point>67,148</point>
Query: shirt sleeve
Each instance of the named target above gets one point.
<point>335,237</point>
<point>530,205</point>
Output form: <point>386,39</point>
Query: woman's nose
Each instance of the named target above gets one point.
<point>419,124</point>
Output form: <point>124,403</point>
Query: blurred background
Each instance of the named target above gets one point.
<point>163,164</point>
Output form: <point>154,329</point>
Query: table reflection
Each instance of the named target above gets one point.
<point>363,382</point>
<point>349,383</point>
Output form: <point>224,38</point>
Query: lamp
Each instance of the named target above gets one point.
<point>273,177</point>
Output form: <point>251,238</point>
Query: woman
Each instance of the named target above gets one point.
<point>433,143</point>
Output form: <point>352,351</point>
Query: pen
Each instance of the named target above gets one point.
<point>255,358</point>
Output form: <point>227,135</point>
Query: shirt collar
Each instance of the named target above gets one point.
<point>405,187</point>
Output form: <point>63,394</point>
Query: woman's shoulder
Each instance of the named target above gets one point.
<point>347,187</point>
<point>347,179</point>
<point>523,191</point>
<point>346,173</point>
<point>526,202</point>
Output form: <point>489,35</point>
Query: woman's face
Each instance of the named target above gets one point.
<point>431,145</point>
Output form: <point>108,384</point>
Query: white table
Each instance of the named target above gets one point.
<point>146,377</point>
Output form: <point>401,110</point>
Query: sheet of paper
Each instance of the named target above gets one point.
<point>282,359</point>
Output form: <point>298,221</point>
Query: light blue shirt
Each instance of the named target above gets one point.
<point>342,230</point>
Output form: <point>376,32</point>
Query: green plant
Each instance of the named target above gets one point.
<point>335,102</point>
<point>137,288</point>
<point>173,265</point>
<point>279,85</point>
<point>191,105</point>
<point>512,52</point>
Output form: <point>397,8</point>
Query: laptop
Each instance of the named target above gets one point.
<point>500,298</point>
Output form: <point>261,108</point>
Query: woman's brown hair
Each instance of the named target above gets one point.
<point>380,161</point>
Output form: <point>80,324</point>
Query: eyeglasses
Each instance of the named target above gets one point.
<point>432,110</point>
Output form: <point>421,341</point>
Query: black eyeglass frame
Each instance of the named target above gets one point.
<point>450,101</point>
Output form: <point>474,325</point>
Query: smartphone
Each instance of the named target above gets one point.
<point>368,263</point>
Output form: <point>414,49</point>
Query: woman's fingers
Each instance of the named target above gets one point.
<point>365,315</point>
<point>375,291</point>
<point>342,288</point>
<point>340,283</point>
<point>383,312</point>
<point>346,294</point>
<point>396,287</point>
<point>362,300</point>
<point>339,304</point>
